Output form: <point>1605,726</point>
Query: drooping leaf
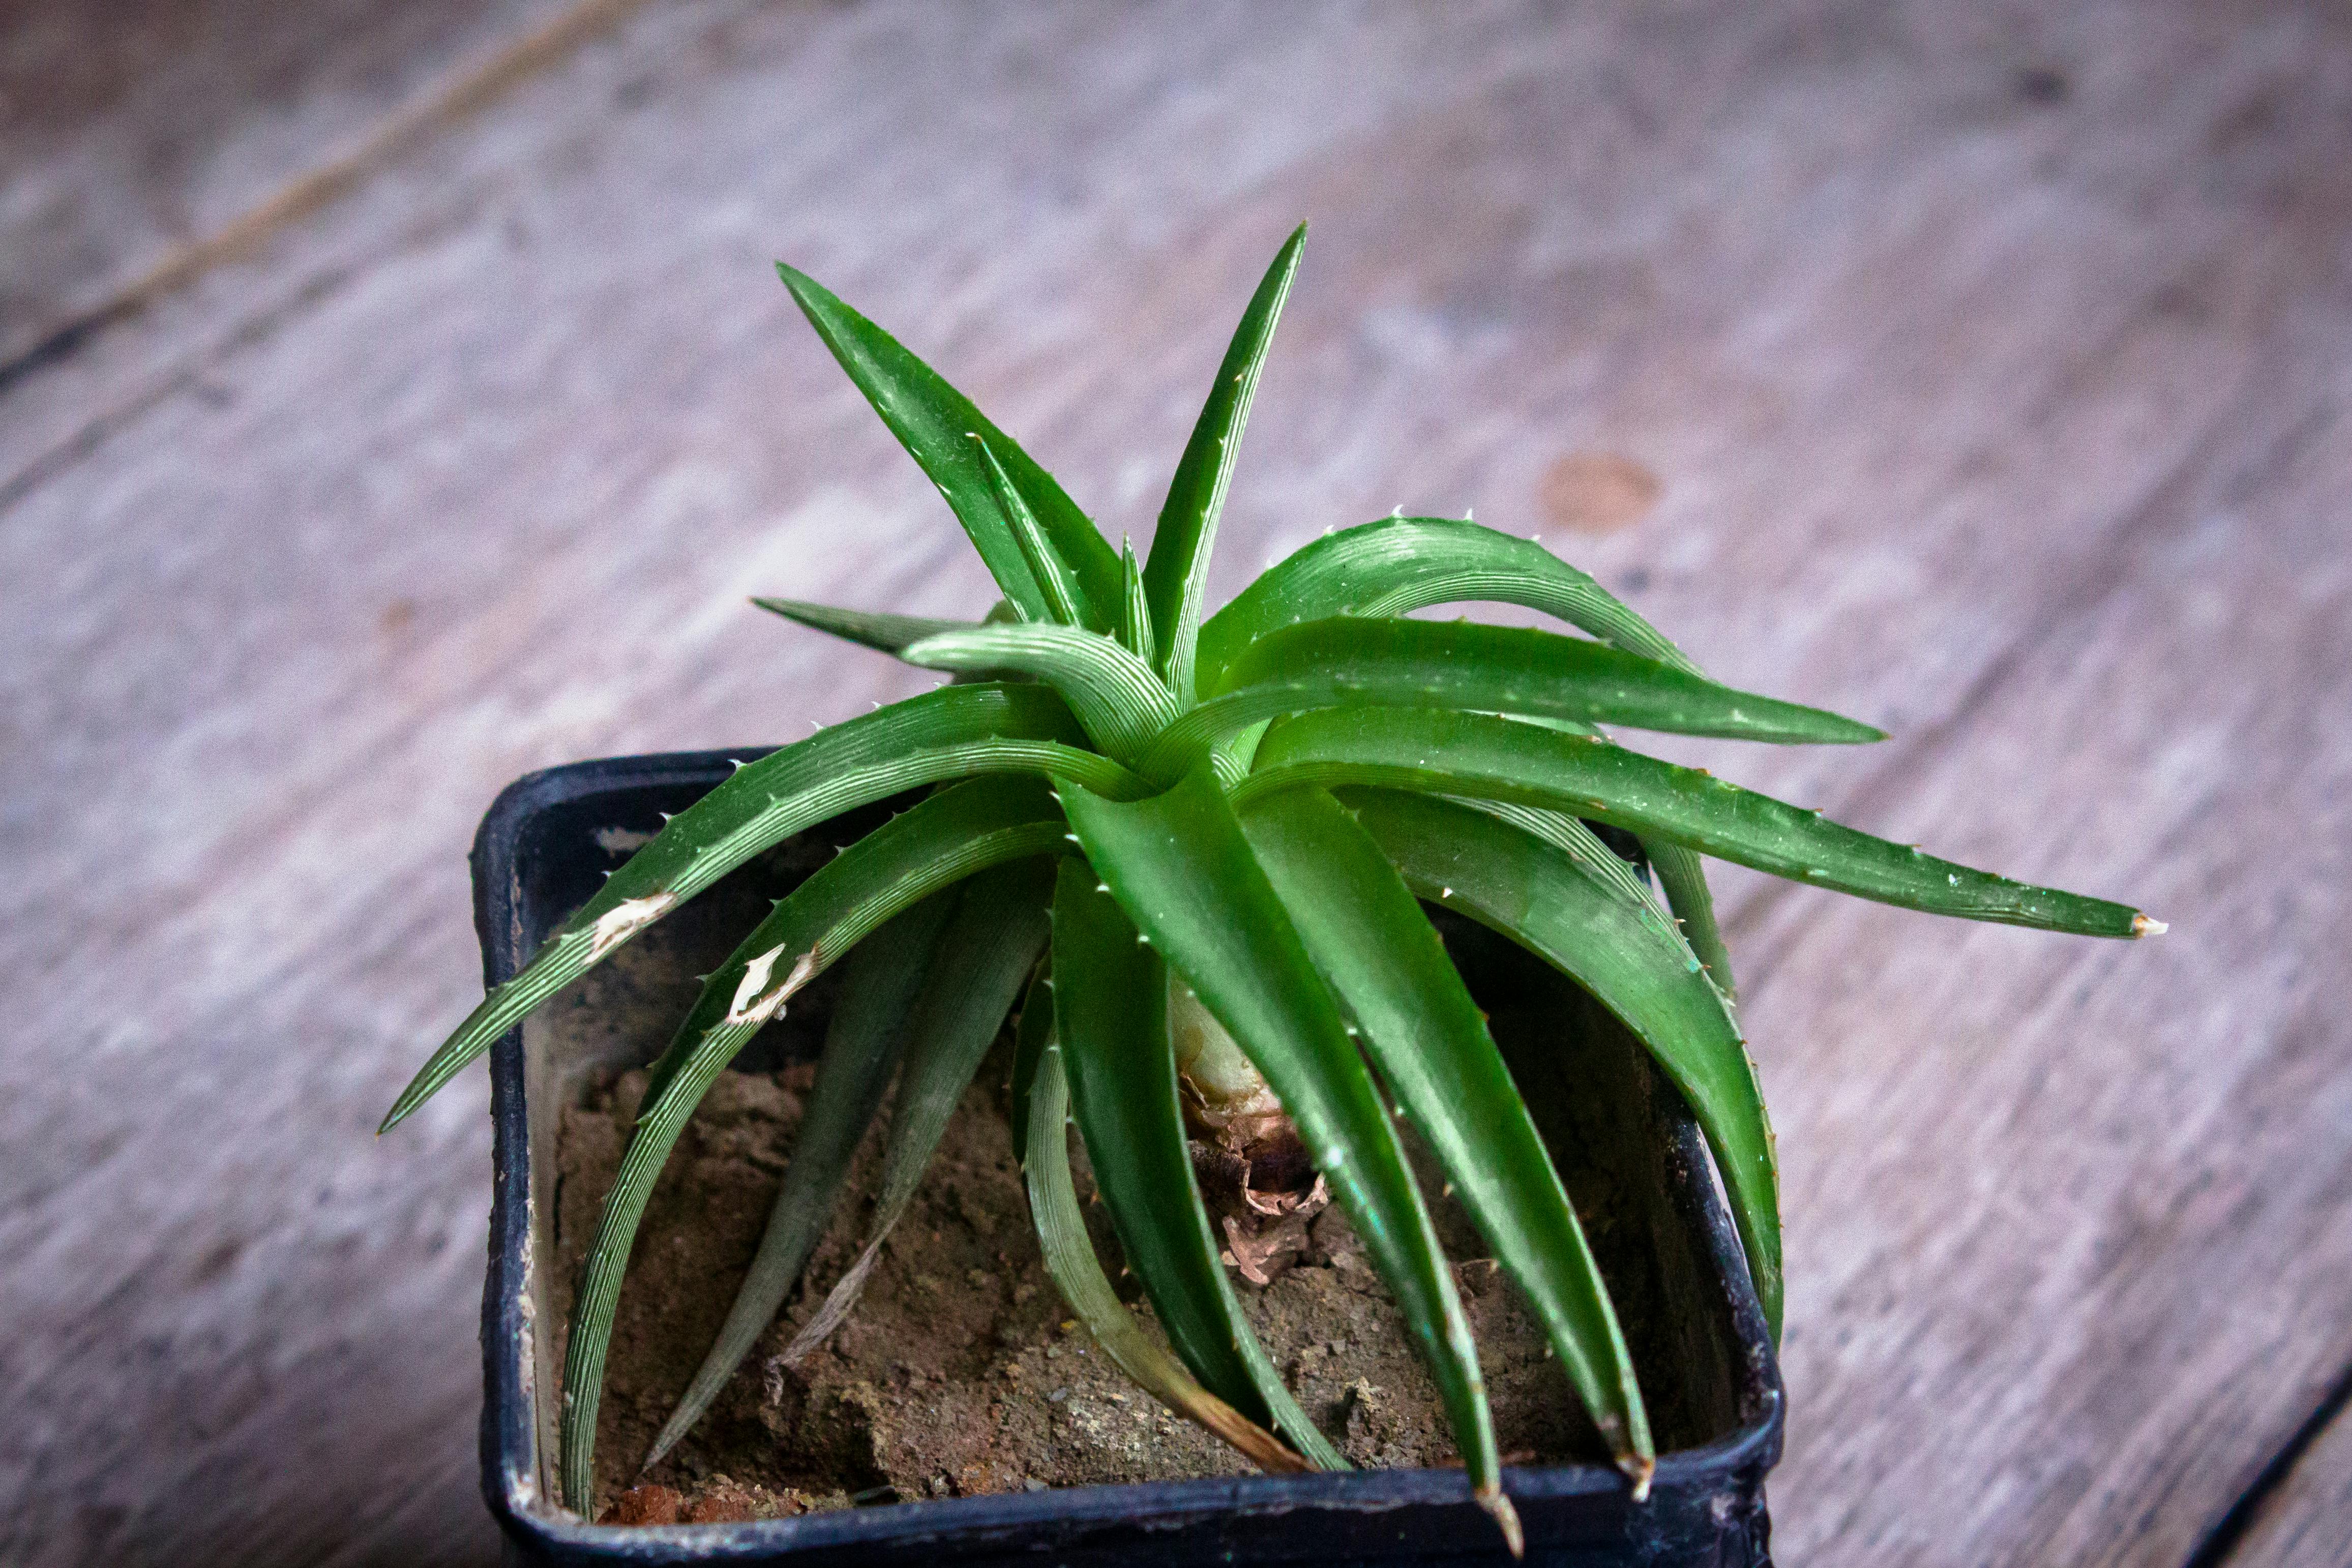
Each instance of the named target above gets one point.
<point>1533,892</point>
<point>985,958</point>
<point>868,628</point>
<point>922,740</point>
<point>1135,633</point>
<point>1180,866</point>
<point>1110,1016</point>
<point>1178,572</point>
<point>936,424</point>
<point>1400,564</point>
<point>954,834</point>
<point>1348,662</point>
<point>1046,569</point>
<point>1476,755</point>
<point>1078,1274</point>
<point>1114,693</point>
<point>1368,934</point>
<point>1032,1032</point>
<point>880,980</point>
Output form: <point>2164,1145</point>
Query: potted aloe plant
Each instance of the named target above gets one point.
<point>1197,856</point>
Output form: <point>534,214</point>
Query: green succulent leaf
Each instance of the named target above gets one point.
<point>1116,697</point>
<point>1368,934</point>
<point>1053,579</point>
<point>1031,1036</point>
<point>1180,867</point>
<point>1594,859</point>
<point>936,424</point>
<point>954,834</point>
<point>1682,877</point>
<point>1496,758</point>
<point>867,628</point>
<point>1135,633</point>
<point>988,953</point>
<point>1400,564</point>
<point>1540,897</point>
<point>1349,662</point>
<point>880,980</point>
<point>1177,575</point>
<point>940,735</point>
<point>1078,1273</point>
<point>1110,1016</point>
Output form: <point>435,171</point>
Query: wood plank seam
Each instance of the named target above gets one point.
<point>472,90</point>
<point>2229,1532</point>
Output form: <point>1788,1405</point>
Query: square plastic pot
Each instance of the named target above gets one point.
<point>543,849</point>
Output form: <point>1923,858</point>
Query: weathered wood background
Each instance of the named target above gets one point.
<point>398,398</point>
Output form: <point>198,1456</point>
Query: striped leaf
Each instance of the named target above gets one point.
<point>1116,697</point>
<point>983,959</point>
<point>1346,662</point>
<point>1488,758</point>
<point>1180,866</point>
<point>879,983</point>
<point>1428,1039</point>
<point>1558,909</point>
<point>937,424</point>
<point>1178,572</point>
<point>938,735</point>
<point>956,833</point>
<point>1110,1016</point>
<point>1400,564</point>
<point>1078,1274</point>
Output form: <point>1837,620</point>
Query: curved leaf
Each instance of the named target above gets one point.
<point>1114,693</point>
<point>1178,864</point>
<point>1110,1016</point>
<point>879,983</point>
<point>940,734</point>
<point>1348,662</point>
<point>1428,1039</point>
<point>1400,564</point>
<point>936,424</point>
<point>1078,1273</point>
<point>1496,758</point>
<point>868,628</point>
<point>1534,894</point>
<point>1031,1036</point>
<point>999,931</point>
<point>951,835</point>
<point>1178,572</point>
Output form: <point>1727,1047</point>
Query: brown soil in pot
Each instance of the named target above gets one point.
<point>960,1372</point>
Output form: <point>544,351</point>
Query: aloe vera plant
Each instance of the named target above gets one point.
<point>1194,854</point>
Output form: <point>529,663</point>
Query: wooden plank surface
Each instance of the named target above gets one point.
<point>1990,370</point>
<point>2305,1522</point>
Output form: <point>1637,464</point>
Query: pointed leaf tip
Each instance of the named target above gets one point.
<point>2144,926</point>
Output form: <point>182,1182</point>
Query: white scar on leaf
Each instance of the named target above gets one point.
<point>625,919</point>
<point>750,1006</point>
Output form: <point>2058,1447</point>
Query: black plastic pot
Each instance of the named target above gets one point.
<point>539,856</point>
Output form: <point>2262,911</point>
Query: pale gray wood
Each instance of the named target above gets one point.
<point>1991,372</point>
<point>2308,1522</point>
<point>133,133</point>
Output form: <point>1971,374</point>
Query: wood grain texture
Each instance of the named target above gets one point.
<point>2308,1522</point>
<point>133,134</point>
<point>1991,370</point>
